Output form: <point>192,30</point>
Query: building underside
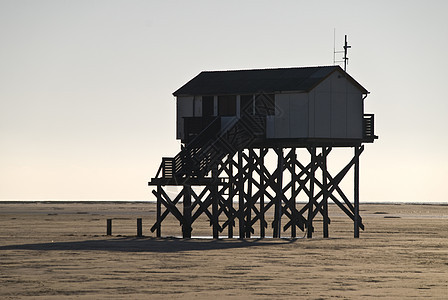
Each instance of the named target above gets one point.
<point>243,191</point>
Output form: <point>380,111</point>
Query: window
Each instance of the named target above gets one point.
<point>246,105</point>
<point>207,106</point>
<point>227,105</point>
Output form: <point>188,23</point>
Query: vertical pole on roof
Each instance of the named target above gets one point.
<point>334,46</point>
<point>346,47</point>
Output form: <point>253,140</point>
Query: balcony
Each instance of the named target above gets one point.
<point>369,128</point>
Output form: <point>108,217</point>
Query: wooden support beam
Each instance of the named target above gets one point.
<point>215,199</point>
<point>202,203</point>
<point>309,232</point>
<point>356,192</point>
<point>240,186</point>
<point>246,175</point>
<point>249,202</point>
<point>169,205</point>
<point>325,152</point>
<point>261,215</point>
<point>292,201</point>
<point>159,213</point>
<point>229,201</point>
<point>278,194</point>
<point>333,184</point>
<point>248,199</point>
<point>226,203</point>
<point>186,224</point>
<point>295,218</point>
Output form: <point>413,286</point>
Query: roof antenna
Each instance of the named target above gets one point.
<point>346,47</point>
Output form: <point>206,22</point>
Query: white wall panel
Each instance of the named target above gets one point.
<point>311,114</point>
<point>298,121</point>
<point>354,115</point>
<point>282,116</point>
<point>322,115</point>
<point>338,115</point>
<point>339,83</point>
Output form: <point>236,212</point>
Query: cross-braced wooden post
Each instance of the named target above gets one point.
<point>262,192</point>
<point>325,221</point>
<point>215,203</point>
<point>186,224</point>
<point>356,222</point>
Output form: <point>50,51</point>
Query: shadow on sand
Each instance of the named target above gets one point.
<point>132,244</point>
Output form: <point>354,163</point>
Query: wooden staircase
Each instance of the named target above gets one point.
<point>208,148</point>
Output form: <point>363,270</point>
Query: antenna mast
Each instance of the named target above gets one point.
<point>345,47</point>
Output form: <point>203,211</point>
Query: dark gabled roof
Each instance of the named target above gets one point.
<point>242,82</point>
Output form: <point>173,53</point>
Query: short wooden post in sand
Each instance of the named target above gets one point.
<point>139,227</point>
<point>109,227</point>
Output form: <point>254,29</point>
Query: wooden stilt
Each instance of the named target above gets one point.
<point>214,195</point>
<point>280,189</point>
<point>262,192</point>
<point>159,212</point>
<point>186,224</point>
<point>356,192</point>
<point>231,224</point>
<point>278,194</point>
<point>240,184</point>
<point>293,188</point>
<point>249,200</point>
<point>325,152</point>
<point>309,234</point>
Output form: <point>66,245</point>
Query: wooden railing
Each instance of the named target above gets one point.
<point>206,150</point>
<point>369,127</point>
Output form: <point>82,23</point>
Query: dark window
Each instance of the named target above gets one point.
<point>265,105</point>
<point>207,106</point>
<point>247,107</point>
<point>227,105</point>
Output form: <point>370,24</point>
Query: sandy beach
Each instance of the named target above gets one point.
<point>52,250</point>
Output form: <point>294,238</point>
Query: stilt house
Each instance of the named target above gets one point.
<point>224,113</point>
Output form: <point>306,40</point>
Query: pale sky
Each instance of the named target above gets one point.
<point>86,105</point>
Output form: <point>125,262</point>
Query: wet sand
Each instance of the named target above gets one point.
<point>60,250</point>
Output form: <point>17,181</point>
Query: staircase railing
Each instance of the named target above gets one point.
<point>208,148</point>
